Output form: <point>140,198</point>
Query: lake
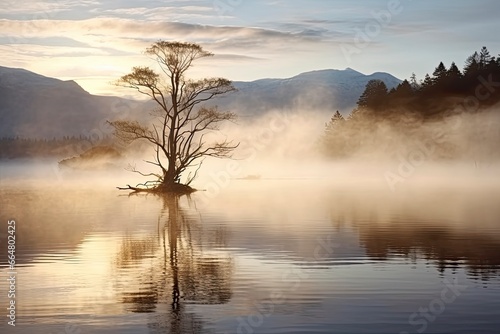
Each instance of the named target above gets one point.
<point>257,256</point>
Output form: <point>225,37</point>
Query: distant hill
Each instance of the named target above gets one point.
<point>35,106</point>
<point>325,90</point>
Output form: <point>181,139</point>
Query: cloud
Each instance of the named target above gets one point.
<point>47,41</point>
<point>51,51</point>
<point>118,33</point>
<point>144,11</point>
<point>106,46</point>
<point>238,58</point>
<point>42,8</point>
<point>284,37</point>
<point>171,13</point>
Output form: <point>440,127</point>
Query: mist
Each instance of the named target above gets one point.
<point>460,149</point>
<point>291,144</point>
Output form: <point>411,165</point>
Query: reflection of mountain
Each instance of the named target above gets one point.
<point>448,249</point>
<point>174,269</point>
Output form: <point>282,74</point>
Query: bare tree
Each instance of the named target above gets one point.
<point>181,122</point>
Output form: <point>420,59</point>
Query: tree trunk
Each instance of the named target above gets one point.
<point>170,186</point>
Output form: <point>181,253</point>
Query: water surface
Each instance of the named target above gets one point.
<point>261,256</point>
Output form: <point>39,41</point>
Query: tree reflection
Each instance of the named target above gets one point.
<point>179,266</point>
<point>446,248</point>
<point>449,228</point>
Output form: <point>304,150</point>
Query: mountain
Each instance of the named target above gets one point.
<point>35,106</point>
<point>325,90</point>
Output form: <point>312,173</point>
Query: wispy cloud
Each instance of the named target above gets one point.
<point>235,57</point>
<point>39,8</point>
<point>119,33</point>
<point>171,13</point>
<point>116,42</point>
<point>53,51</point>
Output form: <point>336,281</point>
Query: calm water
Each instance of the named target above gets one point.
<point>266,256</point>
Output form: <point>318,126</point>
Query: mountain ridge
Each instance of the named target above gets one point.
<point>319,90</point>
<point>33,105</point>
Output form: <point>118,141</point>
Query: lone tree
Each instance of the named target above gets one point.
<point>181,122</point>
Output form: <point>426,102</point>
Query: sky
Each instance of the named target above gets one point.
<point>94,42</point>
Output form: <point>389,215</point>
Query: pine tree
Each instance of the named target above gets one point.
<point>334,140</point>
<point>335,121</point>
<point>453,79</point>
<point>472,65</point>
<point>484,58</point>
<point>374,96</point>
<point>428,82</point>
<point>439,73</point>
<point>454,72</point>
<point>414,83</point>
<point>403,90</point>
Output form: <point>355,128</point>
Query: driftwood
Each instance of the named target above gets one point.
<point>136,189</point>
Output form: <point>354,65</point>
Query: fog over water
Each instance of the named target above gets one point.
<point>459,149</point>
